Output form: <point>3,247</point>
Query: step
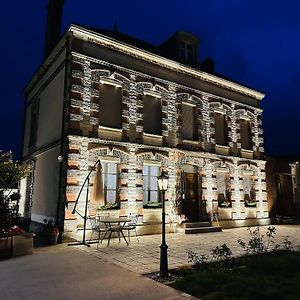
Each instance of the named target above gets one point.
<point>202,230</point>
<point>196,224</point>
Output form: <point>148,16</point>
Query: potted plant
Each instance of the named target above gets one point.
<point>50,232</point>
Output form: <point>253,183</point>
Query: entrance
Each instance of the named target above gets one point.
<point>192,205</point>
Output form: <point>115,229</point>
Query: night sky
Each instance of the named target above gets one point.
<point>255,42</point>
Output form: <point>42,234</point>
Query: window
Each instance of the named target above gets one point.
<point>150,187</point>
<point>249,191</point>
<point>189,124</point>
<point>110,180</point>
<point>34,118</point>
<point>186,52</point>
<point>152,115</point>
<point>246,137</point>
<point>224,189</point>
<point>221,129</point>
<point>110,106</point>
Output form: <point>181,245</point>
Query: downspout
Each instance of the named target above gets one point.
<point>63,152</point>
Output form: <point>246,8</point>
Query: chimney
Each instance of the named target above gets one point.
<point>54,15</point>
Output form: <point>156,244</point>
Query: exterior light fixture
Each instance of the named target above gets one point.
<point>163,181</point>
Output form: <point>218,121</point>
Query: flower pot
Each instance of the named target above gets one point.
<point>52,238</point>
<point>22,244</point>
<point>5,247</point>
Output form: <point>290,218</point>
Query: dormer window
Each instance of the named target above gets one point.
<point>186,52</point>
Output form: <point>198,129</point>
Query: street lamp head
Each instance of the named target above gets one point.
<point>163,180</point>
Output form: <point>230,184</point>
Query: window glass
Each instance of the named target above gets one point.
<point>110,179</point>
<point>224,189</point>
<point>150,187</point>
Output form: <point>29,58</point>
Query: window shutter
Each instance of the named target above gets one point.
<point>110,108</point>
<point>152,115</point>
<point>246,140</point>
<point>189,130</point>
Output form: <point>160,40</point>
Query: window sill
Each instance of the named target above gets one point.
<point>222,146</point>
<point>190,142</point>
<point>110,128</point>
<point>152,135</point>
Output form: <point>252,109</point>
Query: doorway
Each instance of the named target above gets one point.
<point>192,205</point>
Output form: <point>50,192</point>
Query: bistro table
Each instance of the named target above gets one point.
<point>114,225</point>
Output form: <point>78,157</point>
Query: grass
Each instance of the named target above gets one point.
<point>264,276</point>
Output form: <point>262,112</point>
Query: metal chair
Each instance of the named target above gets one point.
<point>132,225</point>
<point>98,227</point>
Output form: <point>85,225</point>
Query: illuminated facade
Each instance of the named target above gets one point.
<point>98,97</point>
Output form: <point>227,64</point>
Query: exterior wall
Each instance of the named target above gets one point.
<point>45,187</point>
<point>130,147</point>
<point>51,111</point>
<point>49,89</point>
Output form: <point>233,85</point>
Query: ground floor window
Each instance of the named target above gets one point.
<point>224,189</point>
<point>150,187</point>
<point>249,191</point>
<point>110,181</point>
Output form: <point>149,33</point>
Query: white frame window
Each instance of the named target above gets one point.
<point>110,181</point>
<point>150,186</point>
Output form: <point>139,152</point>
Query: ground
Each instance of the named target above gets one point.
<point>79,272</point>
<point>143,257</point>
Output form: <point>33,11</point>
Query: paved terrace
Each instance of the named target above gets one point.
<point>143,257</point>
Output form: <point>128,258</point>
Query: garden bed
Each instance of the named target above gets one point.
<point>274,275</point>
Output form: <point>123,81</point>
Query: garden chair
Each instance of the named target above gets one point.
<point>98,227</point>
<point>132,225</point>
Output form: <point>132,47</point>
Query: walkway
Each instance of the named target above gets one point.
<point>63,273</point>
<point>143,257</point>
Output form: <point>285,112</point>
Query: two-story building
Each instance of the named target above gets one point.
<point>140,108</point>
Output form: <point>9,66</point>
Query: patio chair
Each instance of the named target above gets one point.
<point>98,227</point>
<point>132,225</point>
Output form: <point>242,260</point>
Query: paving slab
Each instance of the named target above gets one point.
<point>64,273</point>
<point>143,257</point>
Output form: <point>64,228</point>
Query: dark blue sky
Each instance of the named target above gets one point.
<point>255,42</point>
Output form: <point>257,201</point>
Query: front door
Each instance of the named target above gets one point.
<point>190,203</point>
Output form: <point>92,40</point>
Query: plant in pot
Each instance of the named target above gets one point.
<point>50,232</point>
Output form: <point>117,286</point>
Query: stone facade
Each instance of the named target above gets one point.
<point>94,61</point>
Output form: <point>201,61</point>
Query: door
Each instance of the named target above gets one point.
<point>190,207</point>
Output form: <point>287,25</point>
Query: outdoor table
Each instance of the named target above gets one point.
<point>115,225</point>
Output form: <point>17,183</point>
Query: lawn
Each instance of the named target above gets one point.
<point>265,276</point>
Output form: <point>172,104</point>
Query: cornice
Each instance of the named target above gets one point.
<point>99,39</point>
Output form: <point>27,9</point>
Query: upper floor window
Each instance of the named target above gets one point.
<point>34,118</point>
<point>110,106</point>
<point>150,187</point>
<point>221,130</point>
<point>186,52</point>
<point>189,122</point>
<point>152,115</point>
<point>246,136</point>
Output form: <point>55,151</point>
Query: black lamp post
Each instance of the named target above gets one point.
<point>163,186</point>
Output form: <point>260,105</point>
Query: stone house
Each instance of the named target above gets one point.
<point>138,108</point>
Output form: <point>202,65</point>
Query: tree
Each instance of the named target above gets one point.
<point>10,174</point>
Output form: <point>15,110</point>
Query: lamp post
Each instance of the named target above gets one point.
<point>162,181</point>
